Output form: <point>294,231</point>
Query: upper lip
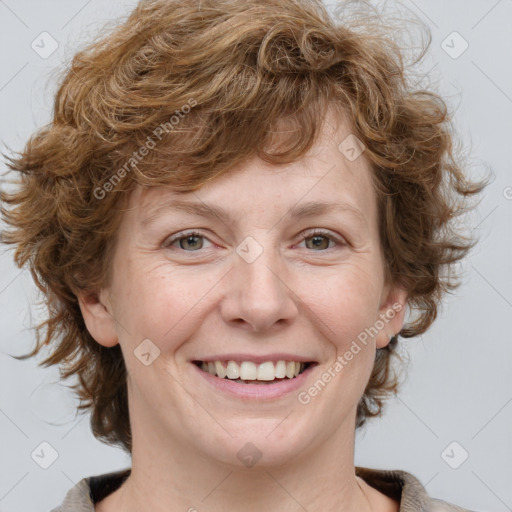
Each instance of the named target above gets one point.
<point>256,358</point>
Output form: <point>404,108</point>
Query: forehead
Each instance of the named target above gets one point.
<point>327,173</point>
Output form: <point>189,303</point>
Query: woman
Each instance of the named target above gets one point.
<point>233,207</point>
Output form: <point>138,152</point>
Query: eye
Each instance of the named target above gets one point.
<point>191,239</point>
<point>320,239</point>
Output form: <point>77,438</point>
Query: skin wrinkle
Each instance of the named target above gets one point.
<point>176,416</point>
<point>77,173</point>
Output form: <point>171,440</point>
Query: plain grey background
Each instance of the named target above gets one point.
<point>450,425</point>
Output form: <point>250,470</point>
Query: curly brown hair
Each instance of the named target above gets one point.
<point>205,85</point>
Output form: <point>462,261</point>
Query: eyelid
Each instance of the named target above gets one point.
<point>183,234</point>
<point>324,232</point>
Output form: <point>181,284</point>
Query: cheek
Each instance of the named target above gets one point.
<point>345,302</point>
<point>162,303</point>
<point>347,305</point>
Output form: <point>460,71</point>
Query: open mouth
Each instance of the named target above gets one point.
<point>247,372</point>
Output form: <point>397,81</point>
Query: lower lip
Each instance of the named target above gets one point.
<point>256,391</point>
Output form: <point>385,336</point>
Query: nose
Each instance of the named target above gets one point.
<point>258,297</point>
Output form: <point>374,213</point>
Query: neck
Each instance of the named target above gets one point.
<point>322,478</point>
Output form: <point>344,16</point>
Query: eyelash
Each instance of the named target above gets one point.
<point>305,234</point>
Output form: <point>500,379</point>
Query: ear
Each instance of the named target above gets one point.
<point>391,314</point>
<point>98,319</point>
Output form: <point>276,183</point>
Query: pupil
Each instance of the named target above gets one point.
<point>192,238</point>
<point>317,240</point>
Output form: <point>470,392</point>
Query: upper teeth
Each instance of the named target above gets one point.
<point>248,370</point>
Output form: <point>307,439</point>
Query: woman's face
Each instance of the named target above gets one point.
<point>254,286</point>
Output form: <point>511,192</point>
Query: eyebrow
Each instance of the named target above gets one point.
<point>305,210</point>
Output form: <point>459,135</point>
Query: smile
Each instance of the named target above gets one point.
<point>248,372</point>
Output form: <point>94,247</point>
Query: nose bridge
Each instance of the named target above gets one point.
<point>259,294</point>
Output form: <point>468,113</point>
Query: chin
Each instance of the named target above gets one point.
<point>257,443</point>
